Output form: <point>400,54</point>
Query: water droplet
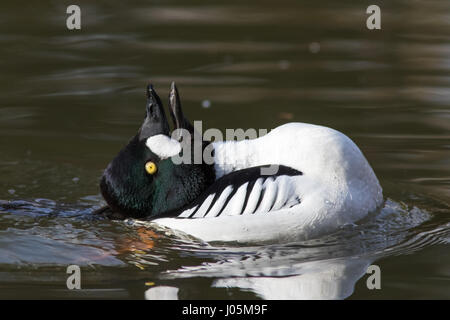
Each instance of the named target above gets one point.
<point>314,47</point>
<point>206,104</point>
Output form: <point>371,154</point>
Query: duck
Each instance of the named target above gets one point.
<point>319,180</point>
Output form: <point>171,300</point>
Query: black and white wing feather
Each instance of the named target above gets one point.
<point>244,192</point>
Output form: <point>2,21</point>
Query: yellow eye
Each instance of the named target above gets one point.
<point>150,167</point>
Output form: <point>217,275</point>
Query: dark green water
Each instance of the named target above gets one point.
<point>69,100</point>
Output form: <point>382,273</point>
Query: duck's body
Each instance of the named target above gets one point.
<point>336,186</point>
<point>318,180</point>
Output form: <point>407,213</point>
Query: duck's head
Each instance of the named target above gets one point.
<point>142,180</point>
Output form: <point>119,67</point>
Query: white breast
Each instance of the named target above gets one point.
<point>338,186</point>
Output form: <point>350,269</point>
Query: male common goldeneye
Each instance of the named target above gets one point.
<point>322,181</point>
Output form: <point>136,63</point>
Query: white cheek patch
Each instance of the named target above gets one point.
<point>163,146</point>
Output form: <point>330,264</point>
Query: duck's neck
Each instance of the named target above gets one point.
<point>179,185</point>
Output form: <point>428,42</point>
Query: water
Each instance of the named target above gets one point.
<point>70,100</point>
